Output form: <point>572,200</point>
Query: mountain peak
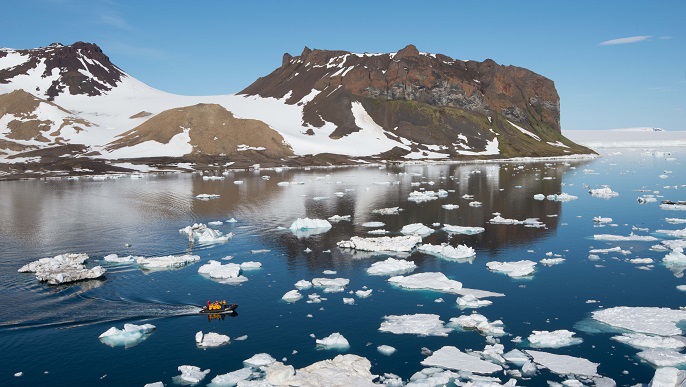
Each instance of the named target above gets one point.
<point>408,52</point>
<point>80,68</point>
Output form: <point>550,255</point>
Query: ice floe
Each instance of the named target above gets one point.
<point>343,370</point>
<point>649,320</point>
<point>63,268</point>
<point>429,281</point>
<point>673,233</point>
<point>458,253</point>
<point>391,266</point>
<point>513,269</point>
<point>643,341</point>
<point>373,224</point>
<point>555,339</point>
<point>462,229</point>
<point>600,219</point>
<point>339,218</point>
<point>363,293</point>
<point>128,337</point>
<point>452,358</point>
<point>388,211</point>
<point>259,361</point>
<point>563,197</point>
<point>399,243</point>
<point>386,350</point>
<point>225,273</point>
<point>292,296</point>
<point>551,261</point>
<point>334,341</point>
<point>305,227</point>
<point>331,285</point>
<point>471,301</point>
<point>623,238</point>
<point>450,206</point>
<point>190,375</point>
<point>232,378</point>
<point>207,196</point>
<point>114,258</point>
<point>204,234</point>
<point>478,322</point>
<point>416,229</point>
<point>668,377</point>
<point>210,339</point>
<point>425,196</point>
<point>564,364</point>
<point>415,324</point>
<point>303,284</point>
<point>663,357</point>
<point>605,192</point>
<point>616,249</point>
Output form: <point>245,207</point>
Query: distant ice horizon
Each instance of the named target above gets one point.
<point>630,137</point>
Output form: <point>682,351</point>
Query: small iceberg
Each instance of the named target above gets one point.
<point>462,230</point>
<point>334,341</point>
<point>306,227</point>
<point>555,339</point>
<point>190,375</point>
<point>515,269</point>
<point>564,364</point>
<point>387,211</point>
<point>605,193</point>
<point>391,266</point>
<point>128,337</point>
<point>399,243</point>
<point>478,322</point>
<point>331,285</point>
<point>450,357</point>
<point>416,229</point>
<point>166,262</point>
<point>210,339</point>
<point>563,197</point>
<point>292,296</point>
<point>63,268</point>
<point>373,224</point>
<point>415,324</point>
<point>207,196</point>
<point>428,281</point>
<point>622,238</point>
<point>471,301</point>
<point>386,350</point>
<point>458,253</point>
<point>225,273</point>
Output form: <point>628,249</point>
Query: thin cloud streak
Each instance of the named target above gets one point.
<point>115,21</point>
<point>630,39</point>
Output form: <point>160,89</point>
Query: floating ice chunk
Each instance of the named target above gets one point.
<point>478,322</point>
<point>668,377</point>
<point>209,236</point>
<point>331,285</point>
<point>250,265</point>
<point>498,219</point>
<point>215,270</point>
<point>516,357</point>
<point>114,258</point>
<point>373,224</point>
<point>563,364</point>
<point>450,206</point>
<point>215,223</point>
<point>513,269</point>
<point>363,293</point>
<point>459,253</point>
<point>62,268</point>
<point>18,374</point>
<point>399,243</point>
<point>641,261</point>
<point>232,378</point>
<point>610,250</point>
<point>493,353</point>
<point>430,280</point>
<point>391,266</point>
<point>190,375</point>
<point>475,204</point>
<point>452,358</point>
<point>211,339</point>
<point>416,229</point>
<point>386,350</point>
<point>305,227</point>
<point>334,341</point>
<point>292,296</point>
<point>329,272</point>
<point>388,211</point>
<point>680,206</point>
<point>471,301</point>
<point>338,218</point>
<point>675,220</point>
<point>555,339</point>
<point>279,374</point>
<point>605,193</point>
<point>642,341</point>
<point>207,196</point>
<point>600,219</point>
<point>622,238</point>
<point>650,320</point>
<point>232,220</point>
<point>662,357</point>
<point>539,197</point>
<point>303,284</point>
<point>462,230</point>
<point>348,301</point>
<point>673,233</point>
<point>343,370</point>
<point>563,197</point>
<point>378,232</point>
<point>128,337</point>
<point>259,361</point>
<point>416,324</point>
<point>551,261</point>
<point>424,196</point>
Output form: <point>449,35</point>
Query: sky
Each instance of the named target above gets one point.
<point>615,64</point>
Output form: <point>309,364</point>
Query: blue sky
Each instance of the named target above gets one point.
<point>615,63</point>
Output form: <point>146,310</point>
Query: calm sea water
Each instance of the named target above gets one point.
<point>50,333</point>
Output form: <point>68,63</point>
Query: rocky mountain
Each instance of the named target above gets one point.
<point>429,101</point>
<point>68,108</point>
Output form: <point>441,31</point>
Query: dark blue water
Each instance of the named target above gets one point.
<point>50,333</point>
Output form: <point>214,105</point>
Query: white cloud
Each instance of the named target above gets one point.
<point>115,21</point>
<point>630,39</point>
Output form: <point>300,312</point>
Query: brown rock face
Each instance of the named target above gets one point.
<point>427,98</point>
<point>213,131</point>
<point>82,68</point>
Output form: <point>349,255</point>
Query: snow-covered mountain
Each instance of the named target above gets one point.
<point>404,105</point>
